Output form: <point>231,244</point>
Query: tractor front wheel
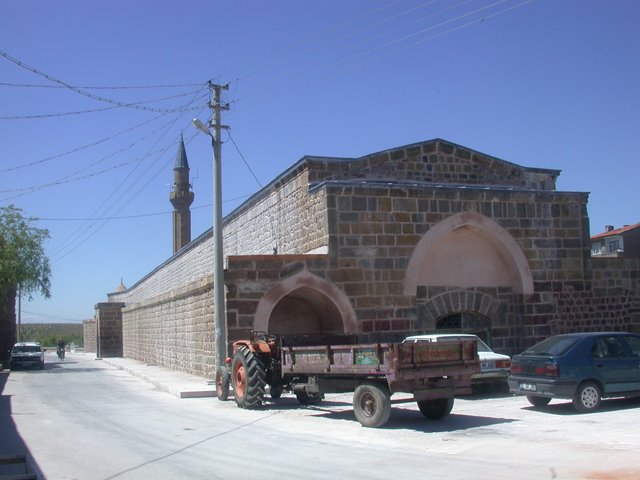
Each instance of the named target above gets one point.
<point>249,378</point>
<point>222,383</point>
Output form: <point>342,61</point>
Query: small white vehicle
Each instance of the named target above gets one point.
<point>494,367</point>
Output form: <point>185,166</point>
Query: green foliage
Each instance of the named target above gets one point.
<point>48,334</point>
<point>22,258</point>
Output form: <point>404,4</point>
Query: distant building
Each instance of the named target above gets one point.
<point>617,242</point>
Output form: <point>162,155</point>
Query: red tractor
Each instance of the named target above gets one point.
<point>256,364</point>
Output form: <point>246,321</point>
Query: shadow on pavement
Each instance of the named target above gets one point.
<point>565,407</point>
<point>401,418</point>
<point>11,442</point>
<point>410,419</point>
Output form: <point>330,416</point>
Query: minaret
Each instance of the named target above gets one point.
<point>181,198</point>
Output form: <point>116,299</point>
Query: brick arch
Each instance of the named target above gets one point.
<point>468,250</point>
<point>305,303</point>
<point>460,301</point>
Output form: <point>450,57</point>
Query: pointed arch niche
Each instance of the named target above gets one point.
<point>468,250</point>
<point>305,304</point>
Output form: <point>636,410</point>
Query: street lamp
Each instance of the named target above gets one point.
<point>218,271</point>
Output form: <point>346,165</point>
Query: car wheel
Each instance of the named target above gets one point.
<point>587,397</point>
<point>538,401</point>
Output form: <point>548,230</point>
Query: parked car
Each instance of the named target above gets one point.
<point>494,367</point>
<point>27,354</point>
<point>583,367</point>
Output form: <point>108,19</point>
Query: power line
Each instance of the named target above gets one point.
<point>93,110</point>
<point>102,87</point>
<point>85,93</point>
<point>347,58</point>
<point>83,147</point>
<point>243,159</point>
<point>78,237</point>
<point>70,178</point>
<point>128,217</point>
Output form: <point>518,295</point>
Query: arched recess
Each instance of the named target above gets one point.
<point>468,250</point>
<point>305,303</point>
<point>466,322</point>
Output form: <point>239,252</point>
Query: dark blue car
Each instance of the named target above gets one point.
<point>583,367</point>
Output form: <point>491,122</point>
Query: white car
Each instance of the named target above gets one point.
<point>494,367</point>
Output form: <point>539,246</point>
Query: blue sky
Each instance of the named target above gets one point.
<point>542,83</point>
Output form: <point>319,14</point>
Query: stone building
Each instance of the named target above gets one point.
<point>424,237</point>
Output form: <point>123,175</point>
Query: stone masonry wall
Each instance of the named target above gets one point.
<point>288,218</point>
<point>375,229</point>
<point>109,329</point>
<point>609,301</point>
<point>436,161</point>
<point>174,329</point>
<point>368,215</point>
<point>89,331</point>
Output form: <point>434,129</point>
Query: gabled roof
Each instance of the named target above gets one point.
<point>617,231</point>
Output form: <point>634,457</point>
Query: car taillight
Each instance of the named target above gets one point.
<point>503,363</point>
<point>515,369</point>
<point>548,370</point>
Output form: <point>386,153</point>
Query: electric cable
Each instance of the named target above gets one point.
<point>83,147</point>
<point>84,92</point>
<point>93,110</point>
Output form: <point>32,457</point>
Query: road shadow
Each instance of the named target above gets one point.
<point>11,443</point>
<point>565,407</point>
<point>406,418</point>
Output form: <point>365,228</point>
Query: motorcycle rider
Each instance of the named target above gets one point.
<point>61,346</point>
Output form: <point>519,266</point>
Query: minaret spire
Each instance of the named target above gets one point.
<point>181,198</point>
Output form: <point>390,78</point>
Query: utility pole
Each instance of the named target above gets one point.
<point>220,317</point>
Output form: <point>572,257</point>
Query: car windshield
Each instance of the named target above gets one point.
<point>26,349</point>
<point>555,346</point>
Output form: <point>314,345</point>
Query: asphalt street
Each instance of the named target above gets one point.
<point>106,419</point>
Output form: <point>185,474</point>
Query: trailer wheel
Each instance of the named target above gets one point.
<point>249,379</point>
<point>436,409</point>
<point>372,405</point>
<point>223,379</point>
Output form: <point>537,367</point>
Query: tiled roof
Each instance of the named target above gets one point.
<point>617,231</point>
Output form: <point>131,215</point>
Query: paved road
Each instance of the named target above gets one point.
<point>84,419</point>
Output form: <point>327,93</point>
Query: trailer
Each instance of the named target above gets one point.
<point>434,373</point>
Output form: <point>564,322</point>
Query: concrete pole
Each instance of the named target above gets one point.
<point>218,259</point>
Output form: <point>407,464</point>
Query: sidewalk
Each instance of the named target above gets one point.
<point>180,384</point>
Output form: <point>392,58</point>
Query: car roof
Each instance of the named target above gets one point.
<point>593,334</point>
<point>27,344</point>
<point>441,335</point>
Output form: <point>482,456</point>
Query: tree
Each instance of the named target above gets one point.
<point>23,265</point>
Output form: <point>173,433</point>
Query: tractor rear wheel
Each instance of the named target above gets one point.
<point>249,378</point>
